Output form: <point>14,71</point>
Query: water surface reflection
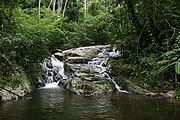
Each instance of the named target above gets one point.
<point>56,104</point>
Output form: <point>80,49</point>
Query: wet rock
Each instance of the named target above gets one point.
<point>76,60</point>
<point>63,83</point>
<point>49,64</point>
<point>130,86</point>
<point>72,54</point>
<point>75,67</point>
<point>59,55</point>
<point>40,83</point>
<point>81,74</point>
<point>44,68</point>
<point>89,85</point>
<point>89,51</point>
<point>170,94</point>
<point>22,89</point>
<point>86,83</point>
<point>57,77</point>
<point>59,50</point>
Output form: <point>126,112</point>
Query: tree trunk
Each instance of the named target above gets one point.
<point>85,7</point>
<point>50,4</point>
<point>39,7</point>
<point>54,6</point>
<point>58,6</point>
<point>65,7</point>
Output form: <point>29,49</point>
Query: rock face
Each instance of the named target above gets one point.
<point>85,82</point>
<point>91,70</point>
<point>76,60</point>
<point>21,89</point>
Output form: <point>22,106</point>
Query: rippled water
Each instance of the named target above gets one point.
<point>56,104</point>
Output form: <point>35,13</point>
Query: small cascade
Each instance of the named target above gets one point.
<point>53,72</point>
<point>100,65</point>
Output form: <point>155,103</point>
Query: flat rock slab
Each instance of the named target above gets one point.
<point>76,60</point>
<point>89,51</point>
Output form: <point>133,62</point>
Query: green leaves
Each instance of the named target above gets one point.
<point>177,67</point>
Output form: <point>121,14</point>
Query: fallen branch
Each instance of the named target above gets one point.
<point>11,92</point>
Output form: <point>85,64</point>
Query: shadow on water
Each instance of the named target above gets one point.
<point>56,104</point>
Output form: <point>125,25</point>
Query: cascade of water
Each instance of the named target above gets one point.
<point>54,72</point>
<point>101,61</point>
<point>60,65</point>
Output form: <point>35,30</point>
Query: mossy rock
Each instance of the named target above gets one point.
<point>89,85</point>
<point>21,88</point>
<point>132,87</point>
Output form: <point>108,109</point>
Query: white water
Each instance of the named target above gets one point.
<point>101,61</point>
<point>118,87</point>
<point>51,85</point>
<point>57,66</point>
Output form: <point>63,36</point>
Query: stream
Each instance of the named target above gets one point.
<point>54,102</point>
<point>57,104</point>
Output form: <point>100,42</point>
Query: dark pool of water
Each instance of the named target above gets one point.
<point>56,104</point>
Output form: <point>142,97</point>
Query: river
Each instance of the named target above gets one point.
<point>57,104</point>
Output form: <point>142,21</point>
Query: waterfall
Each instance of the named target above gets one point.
<point>53,72</point>
<point>54,67</point>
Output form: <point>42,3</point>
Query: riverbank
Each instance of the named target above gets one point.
<point>14,90</point>
<point>141,81</point>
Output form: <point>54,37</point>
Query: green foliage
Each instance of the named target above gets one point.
<point>28,38</point>
<point>89,31</point>
<point>95,7</point>
<point>177,67</point>
<point>147,32</point>
<point>25,40</point>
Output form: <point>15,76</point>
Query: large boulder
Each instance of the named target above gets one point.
<point>89,51</point>
<point>86,83</point>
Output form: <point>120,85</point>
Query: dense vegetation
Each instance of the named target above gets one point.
<point>147,32</point>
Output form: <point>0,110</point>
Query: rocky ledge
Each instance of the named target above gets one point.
<point>86,81</point>
<point>14,92</point>
<point>132,87</point>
